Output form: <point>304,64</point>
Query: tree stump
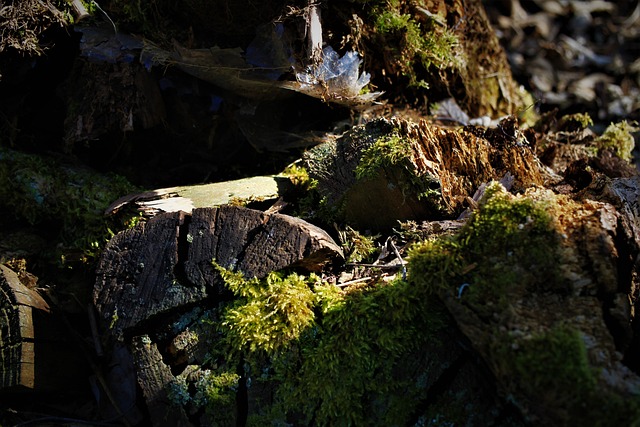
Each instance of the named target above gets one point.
<point>166,264</point>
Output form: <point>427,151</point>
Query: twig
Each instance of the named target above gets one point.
<point>351,282</point>
<point>402,262</point>
<point>357,264</point>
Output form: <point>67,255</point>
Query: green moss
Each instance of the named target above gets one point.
<point>574,122</point>
<point>553,370</point>
<point>619,139</point>
<point>435,47</point>
<point>299,177</point>
<point>389,150</point>
<point>343,363</point>
<point>66,202</point>
<point>210,390</point>
<point>270,313</point>
<point>349,372</point>
<point>552,364</point>
<point>217,392</point>
<point>510,247</point>
<point>356,246</point>
<point>392,152</point>
<point>508,240</point>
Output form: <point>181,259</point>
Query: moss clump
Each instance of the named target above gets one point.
<point>211,390</point>
<point>435,47</point>
<point>342,363</point>
<point>508,241</point>
<point>356,246</point>
<point>270,313</point>
<point>619,139</point>
<point>574,122</point>
<point>68,203</point>
<point>299,177</point>
<point>386,151</point>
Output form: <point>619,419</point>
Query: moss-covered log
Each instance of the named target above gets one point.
<point>386,171</point>
<point>543,286</point>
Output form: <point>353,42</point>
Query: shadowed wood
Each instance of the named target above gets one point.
<point>17,334</point>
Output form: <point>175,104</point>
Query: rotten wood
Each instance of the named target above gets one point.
<point>449,163</point>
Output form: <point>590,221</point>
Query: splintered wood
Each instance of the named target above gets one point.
<point>441,169</point>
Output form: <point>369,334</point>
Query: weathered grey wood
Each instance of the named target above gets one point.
<point>187,198</point>
<point>17,334</point>
<point>136,278</point>
<point>166,263</point>
<point>154,378</point>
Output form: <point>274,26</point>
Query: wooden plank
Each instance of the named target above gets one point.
<point>17,334</point>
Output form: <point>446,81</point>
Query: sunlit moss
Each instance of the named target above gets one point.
<point>299,177</point>
<point>270,313</point>
<point>619,139</point>
<point>340,364</point>
<point>356,246</point>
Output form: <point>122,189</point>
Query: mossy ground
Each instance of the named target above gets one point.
<point>65,202</point>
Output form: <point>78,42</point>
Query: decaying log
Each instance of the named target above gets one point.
<point>595,294</point>
<point>436,174</point>
<point>167,263</point>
